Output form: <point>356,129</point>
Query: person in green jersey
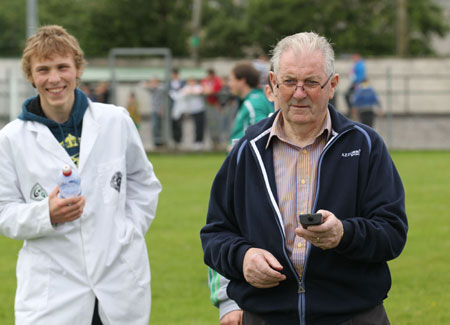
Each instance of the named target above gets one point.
<point>244,82</point>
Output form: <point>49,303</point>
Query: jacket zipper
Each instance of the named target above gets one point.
<point>302,300</point>
<point>301,289</point>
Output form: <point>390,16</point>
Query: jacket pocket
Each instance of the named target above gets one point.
<point>33,279</point>
<point>111,177</point>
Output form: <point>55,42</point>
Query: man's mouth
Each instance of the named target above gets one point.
<point>55,90</point>
<point>300,106</point>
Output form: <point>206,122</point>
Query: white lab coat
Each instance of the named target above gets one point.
<point>62,268</point>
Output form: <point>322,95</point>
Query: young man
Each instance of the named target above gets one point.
<point>306,158</point>
<point>244,83</point>
<point>91,247</point>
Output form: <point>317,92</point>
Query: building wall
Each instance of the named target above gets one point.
<point>415,92</point>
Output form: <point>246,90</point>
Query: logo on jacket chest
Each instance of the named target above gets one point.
<point>352,153</point>
<point>116,180</point>
<point>38,193</point>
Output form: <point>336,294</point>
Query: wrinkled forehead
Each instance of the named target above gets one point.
<point>306,61</point>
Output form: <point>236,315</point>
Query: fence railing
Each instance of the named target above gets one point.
<point>411,93</point>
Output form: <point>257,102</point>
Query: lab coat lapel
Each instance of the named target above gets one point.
<point>48,142</point>
<point>89,135</point>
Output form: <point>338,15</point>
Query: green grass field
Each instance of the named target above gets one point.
<point>419,294</point>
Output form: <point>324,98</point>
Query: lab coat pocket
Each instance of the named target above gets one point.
<point>112,180</point>
<point>33,279</point>
<point>135,256</point>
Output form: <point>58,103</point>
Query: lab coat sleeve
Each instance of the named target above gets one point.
<point>142,185</point>
<point>19,219</point>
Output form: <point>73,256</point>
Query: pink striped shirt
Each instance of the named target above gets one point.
<point>295,177</point>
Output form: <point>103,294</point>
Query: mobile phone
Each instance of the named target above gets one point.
<point>310,219</point>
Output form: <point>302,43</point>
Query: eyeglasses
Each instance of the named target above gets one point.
<point>308,84</point>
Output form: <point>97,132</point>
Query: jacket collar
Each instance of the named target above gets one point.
<point>339,123</point>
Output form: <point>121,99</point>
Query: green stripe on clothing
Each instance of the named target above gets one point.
<point>214,285</point>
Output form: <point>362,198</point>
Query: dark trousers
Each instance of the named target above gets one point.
<point>177,130</point>
<point>374,316</point>
<point>367,117</point>
<point>96,318</point>
<point>199,121</point>
<point>348,98</point>
<point>249,318</point>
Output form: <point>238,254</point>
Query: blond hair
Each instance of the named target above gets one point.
<point>50,40</point>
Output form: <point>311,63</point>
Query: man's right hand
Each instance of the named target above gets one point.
<point>261,269</point>
<point>65,210</point>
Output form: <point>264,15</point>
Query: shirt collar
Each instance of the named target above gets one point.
<point>277,129</point>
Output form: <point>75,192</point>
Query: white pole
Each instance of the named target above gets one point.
<point>13,94</point>
<point>32,17</point>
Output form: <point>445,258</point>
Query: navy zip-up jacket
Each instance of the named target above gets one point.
<point>356,180</point>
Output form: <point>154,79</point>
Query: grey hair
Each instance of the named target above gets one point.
<point>304,42</point>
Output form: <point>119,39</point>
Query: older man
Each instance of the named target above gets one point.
<point>306,158</point>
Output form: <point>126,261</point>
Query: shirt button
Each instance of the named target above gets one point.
<point>303,181</point>
<point>304,151</point>
<point>299,245</point>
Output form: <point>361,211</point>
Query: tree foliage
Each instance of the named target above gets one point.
<point>367,27</point>
<point>12,27</point>
<point>227,29</point>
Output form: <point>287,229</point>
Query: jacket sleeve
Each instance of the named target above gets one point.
<point>143,187</point>
<point>378,233</point>
<point>218,293</point>
<point>19,219</point>
<point>223,246</point>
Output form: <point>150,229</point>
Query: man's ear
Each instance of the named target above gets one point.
<point>273,81</point>
<point>334,82</point>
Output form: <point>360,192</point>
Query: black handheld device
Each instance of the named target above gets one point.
<point>310,219</point>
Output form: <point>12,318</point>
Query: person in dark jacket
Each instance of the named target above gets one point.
<point>306,158</point>
<point>365,103</point>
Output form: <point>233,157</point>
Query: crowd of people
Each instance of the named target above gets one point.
<point>214,107</point>
<point>213,103</point>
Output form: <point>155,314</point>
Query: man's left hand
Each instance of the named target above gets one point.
<point>232,318</point>
<point>327,235</point>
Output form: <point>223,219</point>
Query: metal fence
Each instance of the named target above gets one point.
<point>411,93</point>
<point>401,94</point>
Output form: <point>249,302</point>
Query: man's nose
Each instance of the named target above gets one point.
<point>54,76</point>
<point>299,91</point>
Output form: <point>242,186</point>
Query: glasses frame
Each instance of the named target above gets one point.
<point>303,86</point>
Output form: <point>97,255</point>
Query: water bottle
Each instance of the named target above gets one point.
<point>69,182</point>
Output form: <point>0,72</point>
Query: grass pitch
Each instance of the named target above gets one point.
<point>420,276</point>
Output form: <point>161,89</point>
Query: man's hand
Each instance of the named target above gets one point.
<point>232,318</point>
<point>327,235</point>
<point>261,269</point>
<point>64,210</point>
